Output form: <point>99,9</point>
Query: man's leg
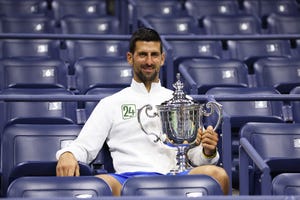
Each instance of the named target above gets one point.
<point>114,184</point>
<point>216,172</point>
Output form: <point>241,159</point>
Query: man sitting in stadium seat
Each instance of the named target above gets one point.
<point>114,121</point>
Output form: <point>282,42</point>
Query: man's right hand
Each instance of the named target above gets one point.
<point>67,165</point>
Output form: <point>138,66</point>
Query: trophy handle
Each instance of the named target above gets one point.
<point>147,108</point>
<point>214,106</point>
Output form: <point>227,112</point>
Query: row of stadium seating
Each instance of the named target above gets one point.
<point>251,67</point>
<point>167,16</point>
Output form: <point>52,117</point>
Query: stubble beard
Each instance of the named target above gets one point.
<point>147,79</point>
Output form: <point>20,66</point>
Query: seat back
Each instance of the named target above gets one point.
<point>176,25</point>
<point>202,8</point>
<point>286,184</point>
<point>185,185</point>
<point>29,48</point>
<point>140,8</point>
<point>295,105</point>
<point>263,8</point>
<point>232,25</point>
<point>24,8</point>
<point>71,187</point>
<point>283,24</point>
<point>33,73</point>
<point>28,24</point>
<point>76,49</point>
<point>251,50</point>
<point>90,25</point>
<point>280,73</point>
<point>32,143</point>
<point>33,112</point>
<point>107,73</point>
<point>91,8</point>
<point>202,74</point>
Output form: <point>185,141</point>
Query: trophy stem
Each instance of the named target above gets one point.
<point>181,160</point>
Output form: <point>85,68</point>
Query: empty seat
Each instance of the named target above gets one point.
<point>33,73</point>
<point>251,50</point>
<point>186,185</point>
<point>280,73</point>
<point>283,24</point>
<point>202,74</point>
<point>76,49</point>
<point>188,47</point>
<point>236,113</point>
<point>232,25</point>
<point>263,8</point>
<point>32,143</point>
<point>171,25</point>
<point>90,8</point>
<point>105,73</point>
<point>32,112</point>
<point>199,9</point>
<point>286,184</point>
<point>267,150</point>
<point>10,48</point>
<point>295,105</point>
<point>24,8</point>
<point>140,8</point>
<point>71,187</point>
<point>90,25</point>
<point>28,24</point>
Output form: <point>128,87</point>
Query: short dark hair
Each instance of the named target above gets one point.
<point>144,34</point>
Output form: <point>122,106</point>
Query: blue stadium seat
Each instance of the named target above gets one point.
<point>140,8</point>
<point>280,73</point>
<point>251,50</point>
<point>283,24</point>
<point>185,185</point>
<point>90,8</point>
<point>105,73</point>
<point>33,112</point>
<point>90,25</point>
<point>76,49</point>
<point>33,73</point>
<point>187,47</point>
<point>263,8</point>
<point>63,187</point>
<point>24,8</point>
<point>171,25</point>
<point>200,75</point>
<point>28,24</point>
<point>267,150</point>
<point>237,113</point>
<point>10,48</point>
<point>32,143</point>
<point>286,184</point>
<point>295,105</point>
<point>199,9</point>
<point>237,24</point>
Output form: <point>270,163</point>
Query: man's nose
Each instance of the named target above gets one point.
<point>149,60</point>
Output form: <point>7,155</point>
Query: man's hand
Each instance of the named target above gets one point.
<point>67,165</point>
<point>209,140</point>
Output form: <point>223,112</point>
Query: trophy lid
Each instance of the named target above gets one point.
<point>179,97</point>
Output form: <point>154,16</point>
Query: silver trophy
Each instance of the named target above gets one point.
<point>180,119</point>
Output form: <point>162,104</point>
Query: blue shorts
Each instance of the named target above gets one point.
<point>124,176</point>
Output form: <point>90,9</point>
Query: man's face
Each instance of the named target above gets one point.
<point>146,61</point>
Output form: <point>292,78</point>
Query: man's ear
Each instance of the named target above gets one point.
<point>163,58</point>
<point>129,58</point>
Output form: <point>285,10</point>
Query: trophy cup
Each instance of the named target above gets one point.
<point>180,120</point>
